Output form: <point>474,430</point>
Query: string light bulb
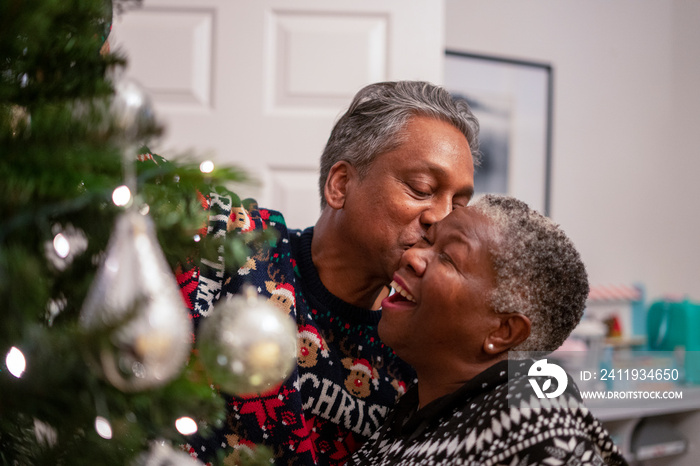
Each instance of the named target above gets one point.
<point>186,425</point>
<point>15,362</point>
<point>206,167</point>
<point>121,196</point>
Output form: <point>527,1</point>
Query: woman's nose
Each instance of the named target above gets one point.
<point>416,259</point>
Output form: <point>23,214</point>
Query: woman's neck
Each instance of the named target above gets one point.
<point>436,382</point>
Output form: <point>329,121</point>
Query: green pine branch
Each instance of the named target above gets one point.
<point>61,157</point>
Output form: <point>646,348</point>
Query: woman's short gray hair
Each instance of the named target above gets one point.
<point>378,113</point>
<point>539,272</point>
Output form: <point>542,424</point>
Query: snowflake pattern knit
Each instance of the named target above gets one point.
<point>492,421</point>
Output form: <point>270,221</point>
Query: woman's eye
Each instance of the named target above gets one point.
<point>446,258</point>
<point>428,238</point>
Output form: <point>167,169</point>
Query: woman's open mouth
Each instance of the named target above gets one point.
<point>401,292</point>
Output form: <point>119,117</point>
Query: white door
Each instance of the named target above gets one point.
<point>259,83</point>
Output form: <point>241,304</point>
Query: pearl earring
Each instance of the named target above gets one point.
<point>490,346</point>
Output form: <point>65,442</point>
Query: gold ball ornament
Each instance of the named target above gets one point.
<point>20,120</point>
<point>247,345</point>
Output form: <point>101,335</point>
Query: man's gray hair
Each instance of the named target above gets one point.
<point>539,272</point>
<point>374,123</point>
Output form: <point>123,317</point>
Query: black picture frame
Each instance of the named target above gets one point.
<point>513,100</point>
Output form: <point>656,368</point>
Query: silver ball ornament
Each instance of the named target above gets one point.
<point>162,453</point>
<point>247,345</point>
<point>131,109</point>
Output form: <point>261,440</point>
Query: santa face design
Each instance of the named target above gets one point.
<point>282,295</point>
<point>239,219</point>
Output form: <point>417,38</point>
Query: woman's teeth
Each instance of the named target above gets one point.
<point>402,292</point>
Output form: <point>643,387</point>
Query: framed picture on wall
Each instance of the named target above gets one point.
<point>513,101</point>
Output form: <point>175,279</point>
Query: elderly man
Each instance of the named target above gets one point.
<point>400,159</point>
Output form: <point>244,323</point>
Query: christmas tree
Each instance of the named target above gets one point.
<point>70,389</point>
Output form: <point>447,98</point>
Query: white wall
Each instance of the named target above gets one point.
<point>626,113</point>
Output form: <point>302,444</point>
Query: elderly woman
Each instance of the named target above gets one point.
<point>489,280</point>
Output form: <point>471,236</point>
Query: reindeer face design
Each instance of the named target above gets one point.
<point>362,377</point>
<point>307,353</point>
<point>241,448</point>
<point>310,345</point>
<point>400,388</point>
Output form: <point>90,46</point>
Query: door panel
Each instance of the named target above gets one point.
<point>260,83</point>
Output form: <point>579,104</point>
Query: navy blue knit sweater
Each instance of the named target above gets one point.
<point>346,378</point>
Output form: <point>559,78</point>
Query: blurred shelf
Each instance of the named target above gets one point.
<point>625,342</point>
<point>615,410</point>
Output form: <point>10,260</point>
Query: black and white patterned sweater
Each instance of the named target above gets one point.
<point>493,419</point>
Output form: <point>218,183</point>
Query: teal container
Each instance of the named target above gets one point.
<point>673,324</point>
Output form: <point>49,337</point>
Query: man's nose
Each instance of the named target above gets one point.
<point>437,210</point>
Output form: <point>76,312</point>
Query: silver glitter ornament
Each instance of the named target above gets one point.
<point>131,109</point>
<point>162,453</point>
<point>247,345</point>
<point>136,297</point>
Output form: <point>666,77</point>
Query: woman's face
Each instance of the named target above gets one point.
<point>440,310</point>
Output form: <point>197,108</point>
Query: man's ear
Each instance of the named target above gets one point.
<point>336,186</point>
<point>513,330</point>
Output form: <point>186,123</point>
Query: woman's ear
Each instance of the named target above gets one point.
<point>335,189</point>
<point>513,330</point>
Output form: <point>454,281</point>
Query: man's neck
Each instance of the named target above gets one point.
<point>341,272</point>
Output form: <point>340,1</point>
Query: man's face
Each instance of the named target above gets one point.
<point>440,310</point>
<point>406,190</point>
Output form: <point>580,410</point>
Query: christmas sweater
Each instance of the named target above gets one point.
<point>492,420</point>
<point>346,379</point>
